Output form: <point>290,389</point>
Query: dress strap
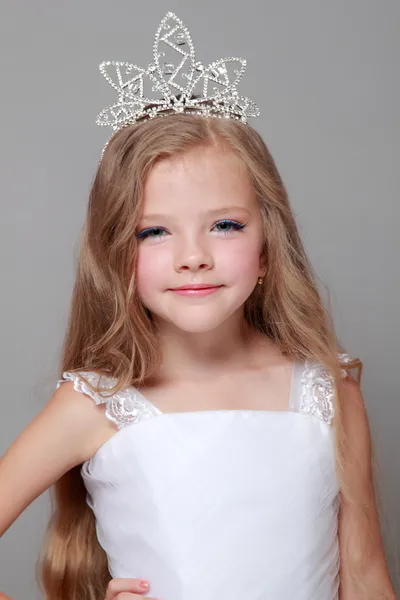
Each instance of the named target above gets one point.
<point>123,408</point>
<point>313,389</point>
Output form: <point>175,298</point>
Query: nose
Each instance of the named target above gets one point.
<point>193,256</point>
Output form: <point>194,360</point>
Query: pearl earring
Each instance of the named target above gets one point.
<point>260,280</point>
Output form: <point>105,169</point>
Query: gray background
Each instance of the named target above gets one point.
<point>326,77</point>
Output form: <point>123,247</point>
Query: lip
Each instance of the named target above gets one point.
<point>196,286</point>
<point>198,289</point>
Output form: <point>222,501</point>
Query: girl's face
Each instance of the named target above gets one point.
<point>200,224</point>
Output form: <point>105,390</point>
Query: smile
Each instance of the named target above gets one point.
<point>196,291</point>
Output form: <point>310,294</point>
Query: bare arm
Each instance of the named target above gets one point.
<point>64,434</point>
<point>353,525</point>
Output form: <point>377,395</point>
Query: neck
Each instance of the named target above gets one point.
<point>195,356</point>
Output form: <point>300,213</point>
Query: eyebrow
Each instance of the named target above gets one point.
<point>213,212</point>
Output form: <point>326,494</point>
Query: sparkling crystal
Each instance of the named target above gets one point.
<point>180,39</point>
<point>175,80</point>
<point>168,69</point>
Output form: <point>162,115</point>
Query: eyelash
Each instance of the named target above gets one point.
<point>235,224</point>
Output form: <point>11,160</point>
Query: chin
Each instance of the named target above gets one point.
<point>196,325</point>
<point>198,319</point>
<point>193,316</point>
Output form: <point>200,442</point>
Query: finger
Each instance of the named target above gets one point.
<point>120,585</point>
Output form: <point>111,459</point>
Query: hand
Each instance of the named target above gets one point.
<point>118,589</point>
<point>127,589</point>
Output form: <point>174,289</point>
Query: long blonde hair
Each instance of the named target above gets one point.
<point>111,332</point>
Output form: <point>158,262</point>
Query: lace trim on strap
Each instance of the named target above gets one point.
<point>122,408</point>
<point>317,393</point>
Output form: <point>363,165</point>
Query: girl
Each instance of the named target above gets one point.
<point>206,433</point>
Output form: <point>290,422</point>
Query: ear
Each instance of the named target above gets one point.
<point>263,266</point>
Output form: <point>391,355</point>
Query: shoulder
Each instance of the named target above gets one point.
<point>104,397</point>
<point>79,412</point>
<point>354,420</point>
<point>91,383</point>
<point>353,410</point>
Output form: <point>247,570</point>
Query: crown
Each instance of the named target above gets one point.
<point>180,83</point>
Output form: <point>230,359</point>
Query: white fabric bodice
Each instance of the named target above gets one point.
<point>220,504</point>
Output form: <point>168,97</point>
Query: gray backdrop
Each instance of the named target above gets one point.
<point>326,77</point>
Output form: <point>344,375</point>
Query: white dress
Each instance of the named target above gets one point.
<point>220,504</point>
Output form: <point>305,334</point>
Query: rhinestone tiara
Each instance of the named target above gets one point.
<point>182,84</point>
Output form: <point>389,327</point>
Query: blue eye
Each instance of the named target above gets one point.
<point>148,233</point>
<point>156,232</point>
<point>229,226</point>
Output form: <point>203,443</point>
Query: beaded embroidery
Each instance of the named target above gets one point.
<point>123,408</point>
<point>317,392</point>
<point>129,406</point>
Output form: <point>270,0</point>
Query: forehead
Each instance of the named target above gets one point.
<point>202,178</point>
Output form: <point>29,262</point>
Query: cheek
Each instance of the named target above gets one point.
<point>151,268</point>
<point>239,261</point>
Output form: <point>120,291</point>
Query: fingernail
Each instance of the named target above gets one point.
<point>144,585</point>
